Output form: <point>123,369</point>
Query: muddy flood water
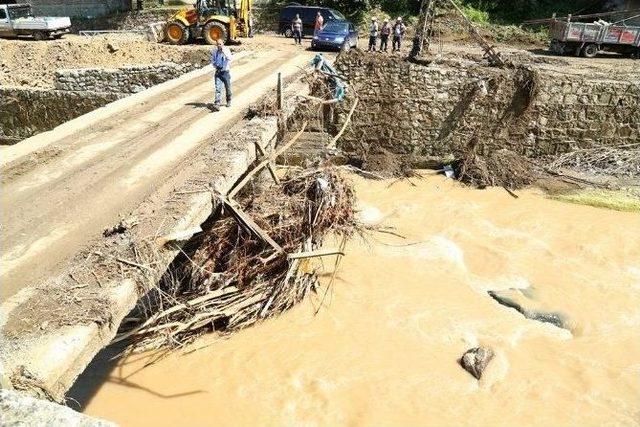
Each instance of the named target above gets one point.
<point>384,349</point>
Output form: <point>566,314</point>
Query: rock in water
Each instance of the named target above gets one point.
<point>475,361</point>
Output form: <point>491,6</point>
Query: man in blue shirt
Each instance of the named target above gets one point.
<point>221,59</point>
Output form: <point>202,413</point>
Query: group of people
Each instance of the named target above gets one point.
<point>221,55</point>
<point>296,26</point>
<point>398,30</point>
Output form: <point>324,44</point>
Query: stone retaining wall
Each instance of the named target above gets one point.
<point>425,110</point>
<point>130,79</point>
<point>26,112</point>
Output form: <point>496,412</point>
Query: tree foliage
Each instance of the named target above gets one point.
<point>515,11</point>
<point>502,11</point>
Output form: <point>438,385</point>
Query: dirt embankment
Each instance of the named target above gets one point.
<point>33,64</point>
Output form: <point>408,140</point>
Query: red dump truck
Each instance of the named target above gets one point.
<point>588,39</point>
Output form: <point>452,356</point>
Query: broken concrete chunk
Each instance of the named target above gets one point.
<point>475,360</point>
<point>19,409</point>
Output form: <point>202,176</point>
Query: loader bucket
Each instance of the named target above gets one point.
<point>155,32</point>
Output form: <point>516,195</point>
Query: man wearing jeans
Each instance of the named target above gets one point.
<point>220,59</point>
<point>373,34</point>
<point>398,34</point>
<point>296,27</point>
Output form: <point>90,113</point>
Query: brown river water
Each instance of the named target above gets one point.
<point>384,347</point>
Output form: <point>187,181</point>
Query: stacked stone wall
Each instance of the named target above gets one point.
<point>427,110</point>
<point>26,112</point>
<point>130,79</point>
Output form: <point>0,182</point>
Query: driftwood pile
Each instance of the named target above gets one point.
<point>622,161</point>
<point>253,263</point>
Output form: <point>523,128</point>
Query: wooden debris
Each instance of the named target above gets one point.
<point>223,283</point>
<point>315,254</point>
<point>335,139</point>
<point>247,178</point>
<point>250,224</point>
<point>260,149</point>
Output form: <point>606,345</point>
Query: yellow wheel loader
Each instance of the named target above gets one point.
<point>211,20</point>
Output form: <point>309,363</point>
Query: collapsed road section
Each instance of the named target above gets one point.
<point>104,163</point>
<point>133,165</point>
<point>106,199</point>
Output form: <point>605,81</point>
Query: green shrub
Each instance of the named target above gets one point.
<point>476,15</point>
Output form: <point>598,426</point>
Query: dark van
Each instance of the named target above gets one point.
<point>308,16</point>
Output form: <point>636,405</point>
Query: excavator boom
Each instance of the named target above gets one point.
<point>422,40</point>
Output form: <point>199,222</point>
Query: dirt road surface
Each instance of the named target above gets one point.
<point>56,199</point>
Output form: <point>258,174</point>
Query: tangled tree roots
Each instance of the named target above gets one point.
<point>231,278</point>
<point>502,168</point>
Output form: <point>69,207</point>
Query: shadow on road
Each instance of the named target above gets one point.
<point>203,105</point>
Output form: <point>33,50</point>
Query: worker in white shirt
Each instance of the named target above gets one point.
<point>373,34</point>
<point>221,61</point>
<point>296,27</point>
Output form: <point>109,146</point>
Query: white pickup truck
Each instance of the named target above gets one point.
<point>17,20</point>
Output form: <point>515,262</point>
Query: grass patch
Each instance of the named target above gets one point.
<point>515,34</point>
<point>618,200</point>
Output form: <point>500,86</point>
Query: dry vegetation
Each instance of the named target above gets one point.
<point>622,161</point>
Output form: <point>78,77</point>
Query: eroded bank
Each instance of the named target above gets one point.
<point>384,345</point>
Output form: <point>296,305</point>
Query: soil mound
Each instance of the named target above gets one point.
<point>25,63</point>
<point>386,164</point>
<point>502,168</point>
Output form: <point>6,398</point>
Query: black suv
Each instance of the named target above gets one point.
<point>308,16</point>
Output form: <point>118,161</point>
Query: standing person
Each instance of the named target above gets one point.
<point>398,34</point>
<point>373,34</point>
<point>221,59</point>
<point>319,23</point>
<point>296,26</point>
<point>385,32</point>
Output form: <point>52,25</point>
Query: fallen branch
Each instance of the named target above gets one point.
<point>315,254</point>
<point>264,163</point>
<point>333,142</point>
<point>246,221</point>
<point>133,264</point>
<point>319,100</point>
<point>272,170</point>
